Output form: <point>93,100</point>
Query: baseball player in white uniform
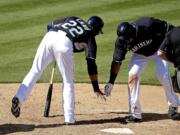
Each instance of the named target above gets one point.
<point>143,38</point>
<point>64,37</point>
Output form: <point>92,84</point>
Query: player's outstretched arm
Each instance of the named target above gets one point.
<point>115,67</point>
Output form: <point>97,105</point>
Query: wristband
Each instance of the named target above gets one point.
<point>95,85</point>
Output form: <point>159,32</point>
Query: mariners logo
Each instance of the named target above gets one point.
<point>141,44</point>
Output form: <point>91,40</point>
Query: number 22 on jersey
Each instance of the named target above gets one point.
<point>74,28</point>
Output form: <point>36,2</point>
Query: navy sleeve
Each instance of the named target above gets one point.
<point>166,45</point>
<point>90,52</point>
<point>119,51</point>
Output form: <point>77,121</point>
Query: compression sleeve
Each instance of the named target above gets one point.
<point>92,70</point>
<point>114,71</point>
<point>91,66</point>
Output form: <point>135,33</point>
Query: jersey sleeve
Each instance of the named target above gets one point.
<point>166,44</point>
<point>91,49</point>
<point>119,51</point>
<point>167,47</point>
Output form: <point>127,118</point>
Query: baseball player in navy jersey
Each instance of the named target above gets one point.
<point>64,37</point>
<point>143,38</point>
<point>170,51</point>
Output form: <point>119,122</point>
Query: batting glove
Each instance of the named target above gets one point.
<point>107,89</point>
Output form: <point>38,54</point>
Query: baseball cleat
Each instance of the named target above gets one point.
<point>15,109</point>
<point>132,119</point>
<point>173,113</point>
<point>177,91</point>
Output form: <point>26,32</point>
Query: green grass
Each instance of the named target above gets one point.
<point>23,24</point>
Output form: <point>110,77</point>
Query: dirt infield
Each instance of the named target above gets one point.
<point>92,114</point>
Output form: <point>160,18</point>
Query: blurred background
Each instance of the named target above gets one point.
<point>23,25</point>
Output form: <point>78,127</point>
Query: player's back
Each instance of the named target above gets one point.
<point>77,29</point>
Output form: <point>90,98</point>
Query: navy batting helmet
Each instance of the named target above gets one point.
<point>96,23</point>
<point>125,31</point>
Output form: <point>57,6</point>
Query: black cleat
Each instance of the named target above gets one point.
<point>177,90</point>
<point>132,119</point>
<point>15,109</point>
<point>173,113</point>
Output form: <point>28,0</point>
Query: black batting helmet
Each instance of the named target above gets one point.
<point>125,31</point>
<point>96,23</point>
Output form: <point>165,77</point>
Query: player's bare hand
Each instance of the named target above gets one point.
<point>101,95</point>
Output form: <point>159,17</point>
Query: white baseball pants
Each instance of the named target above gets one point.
<point>54,46</point>
<point>137,65</point>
